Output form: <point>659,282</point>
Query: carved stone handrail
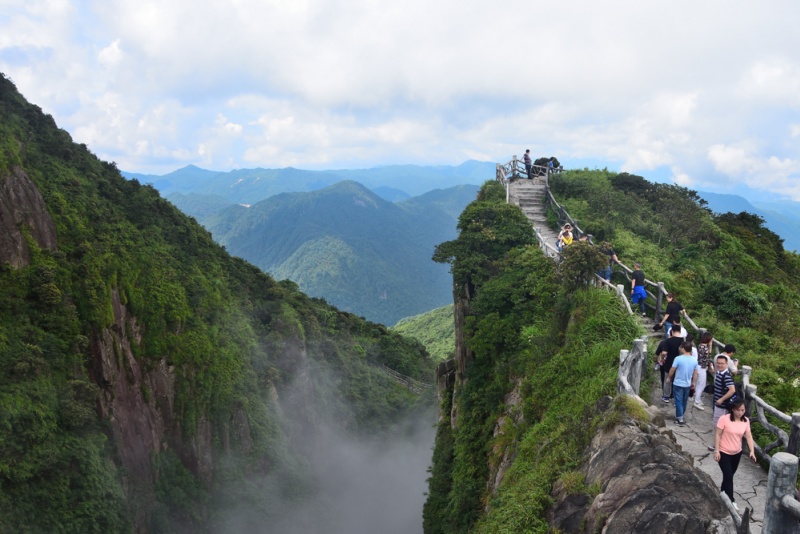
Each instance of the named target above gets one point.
<point>414,385</point>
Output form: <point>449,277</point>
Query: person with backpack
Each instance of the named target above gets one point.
<point>728,434</point>
<point>724,389</point>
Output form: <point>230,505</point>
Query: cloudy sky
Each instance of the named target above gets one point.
<point>706,94</point>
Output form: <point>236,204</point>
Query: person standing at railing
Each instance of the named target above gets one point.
<point>526,158</point>
<point>672,313</point>
<point>638,293</point>
<point>728,434</point>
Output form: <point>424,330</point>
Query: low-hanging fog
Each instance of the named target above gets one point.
<point>355,485</point>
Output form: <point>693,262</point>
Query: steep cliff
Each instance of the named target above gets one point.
<point>148,381</point>
<point>524,443</point>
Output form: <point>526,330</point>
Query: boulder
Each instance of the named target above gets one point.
<point>647,484</point>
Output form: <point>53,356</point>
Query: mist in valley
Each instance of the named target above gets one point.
<point>354,485</point>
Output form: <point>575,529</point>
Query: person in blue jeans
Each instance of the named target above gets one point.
<point>683,375</point>
<point>638,293</point>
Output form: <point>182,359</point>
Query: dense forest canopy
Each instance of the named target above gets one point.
<point>225,370</point>
<point>538,336</point>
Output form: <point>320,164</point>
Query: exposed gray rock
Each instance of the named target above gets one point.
<point>647,485</point>
<point>22,209</point>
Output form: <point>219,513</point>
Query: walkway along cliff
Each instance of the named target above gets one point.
<point>611,480</point>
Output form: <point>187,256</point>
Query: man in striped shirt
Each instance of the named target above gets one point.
<point>723,389</point>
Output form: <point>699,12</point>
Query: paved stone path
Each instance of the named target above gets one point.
<point>750,481</point>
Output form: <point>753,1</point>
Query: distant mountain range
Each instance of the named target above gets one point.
<point>782,217</point>
<point>248,186</point>
<point>344,243</point>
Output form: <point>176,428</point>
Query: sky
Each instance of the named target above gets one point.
<point>703,94</point>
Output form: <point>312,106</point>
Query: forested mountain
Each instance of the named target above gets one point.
<point>248,186</point>
<point>537,349</point>
<point>434,329</point>
<point>150,382</point>
<point>349,246</point>
<point>782,217</point>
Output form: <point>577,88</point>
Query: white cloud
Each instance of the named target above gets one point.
<point>157,84</point>
<point>744,163</point>
<point>110,55</point>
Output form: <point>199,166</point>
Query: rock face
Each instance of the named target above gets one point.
<point>647,485</point>
<point>138,403</point>
<point>22,208</point>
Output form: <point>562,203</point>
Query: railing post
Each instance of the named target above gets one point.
<point>514,167</point>
<point>745,373</point>
<point>622,371</point>
<point>794,435</point>
<point>780,483</point>
<point>750,399</point>
<point>645,361</point>
<point>659,300</point>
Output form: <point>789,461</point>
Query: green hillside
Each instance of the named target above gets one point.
<point>543,350</point>
<point>148,380</point>
<point>347,245</point>
<point>434,329</point>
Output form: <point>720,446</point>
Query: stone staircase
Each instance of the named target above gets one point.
<point>529,195</point>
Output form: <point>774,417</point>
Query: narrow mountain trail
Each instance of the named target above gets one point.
<point>529,195</point>
<point>750,481</point>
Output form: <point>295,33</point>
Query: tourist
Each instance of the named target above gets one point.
<point>728,434</point>
<point>565,237</point>
<point>683,375</point>
<point>727,352</point>
<point>672,313</point>
<point>703,366</point>
<point>677,324</point>
<point>638,293</point>
<point>528,162</point>
<point>666,352</point>
<point>724,388</point>
<point>605,273</point>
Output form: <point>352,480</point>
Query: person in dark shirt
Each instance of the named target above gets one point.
<point>638,293</point>
<point>526,159</point>
<point>605,248</point>
<point>672,313</point>
<point>666,352</point>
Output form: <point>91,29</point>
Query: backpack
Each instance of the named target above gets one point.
<point>737,395</point>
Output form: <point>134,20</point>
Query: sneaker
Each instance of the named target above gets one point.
<point>665,399</point>
<point>680,422</point>
<point>644,314</point>
<point>710,448</point>
<point>699,406</point>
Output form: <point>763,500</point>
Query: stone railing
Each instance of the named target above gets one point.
<point>413,385</point>
<point>632,367</point>
<point>782,510</point>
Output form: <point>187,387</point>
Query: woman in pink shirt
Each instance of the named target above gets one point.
<point>728,444</point>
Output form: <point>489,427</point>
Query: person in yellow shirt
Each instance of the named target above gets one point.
<point>565,237</point>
